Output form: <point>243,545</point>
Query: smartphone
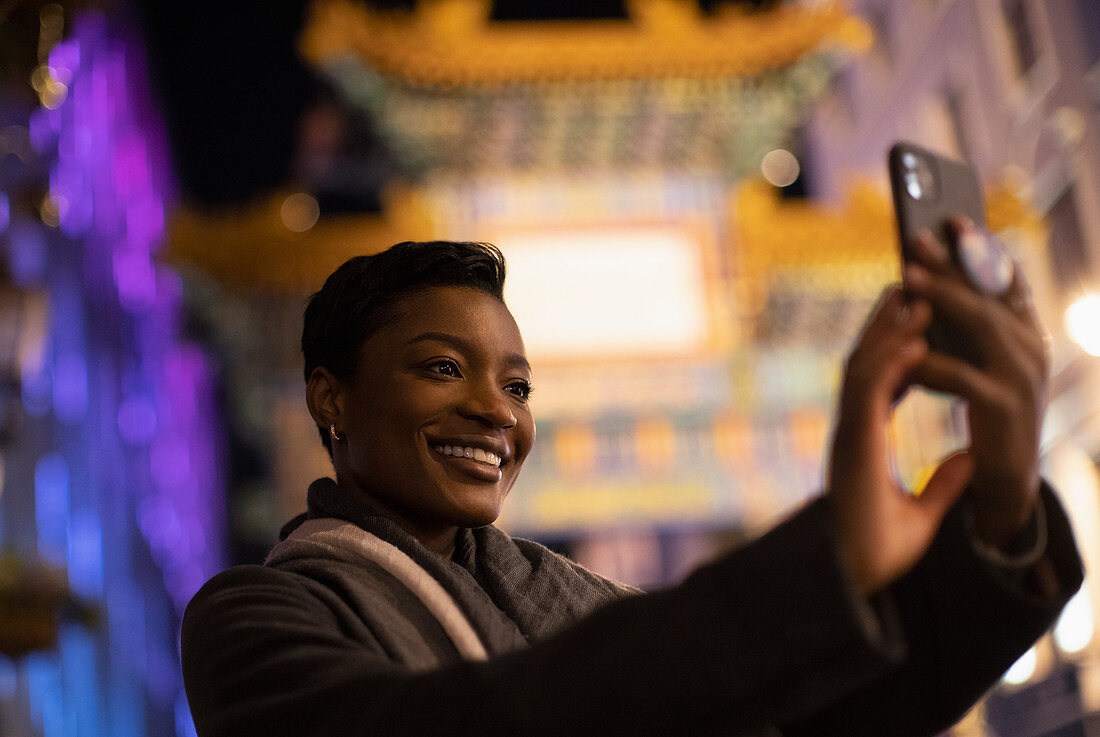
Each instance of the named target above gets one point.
<point>929,189</point>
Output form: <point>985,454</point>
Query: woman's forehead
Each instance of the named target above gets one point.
<point>471,315</point>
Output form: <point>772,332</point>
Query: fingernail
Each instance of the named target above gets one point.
<point>961,222</point>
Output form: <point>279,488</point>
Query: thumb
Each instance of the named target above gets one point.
<point>947,484</point>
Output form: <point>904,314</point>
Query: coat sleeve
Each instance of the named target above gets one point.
<point>964,621</point>
<point>770,634</point>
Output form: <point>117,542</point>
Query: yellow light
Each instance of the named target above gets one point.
<point>1083,323</point>
<point>1022,670</point>
<point>51,209</point>
<point>52,16</point>
<point>1074,629</point>
<point>41,76</point>
<point>780,167</point>
<point>300,212</point>
<point>53,95</point>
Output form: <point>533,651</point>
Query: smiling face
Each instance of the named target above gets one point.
<point>435,419</point>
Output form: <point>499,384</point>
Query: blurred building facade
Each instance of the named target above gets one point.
<point>111,451</point>
<point>1010,85</point>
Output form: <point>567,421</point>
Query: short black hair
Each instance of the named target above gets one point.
<point>362,295</point>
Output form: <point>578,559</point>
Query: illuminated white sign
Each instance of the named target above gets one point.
<point>607,291</point>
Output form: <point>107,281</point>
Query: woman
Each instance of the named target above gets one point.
<point>393,607</point>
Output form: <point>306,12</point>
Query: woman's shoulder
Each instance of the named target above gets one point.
<point>329,586</point>
<point>249,582</point>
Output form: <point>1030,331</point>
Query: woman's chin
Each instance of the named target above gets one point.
<point>477,513</point>
<point>479,517</point>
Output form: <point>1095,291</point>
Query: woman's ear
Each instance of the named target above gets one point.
<point>325,399</point>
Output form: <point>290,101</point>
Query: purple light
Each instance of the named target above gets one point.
<point>137,420</point>
<point>28,257</point>
<point>170,462</point>
<point>160,525</point>
<point>184,369</point>
<point>65,58</point>
<point>138,404</point>
<point>42,129</point>
<point>131,167</point>
<point>5,212</point>
<point>135,279</point>
<point>145,221</point>
<point>67,185</point>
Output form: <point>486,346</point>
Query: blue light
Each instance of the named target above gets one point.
<point>51,503</point>
<point>126,619</point>
<point>70,387</point>
<point>43,126</point>
<point>37,393</point>
<point>122,391</point>
<point>45,697</point>
<point>9,679</point>
<point>86,554</point>
<point>78,672</point>
<point>185,726</point>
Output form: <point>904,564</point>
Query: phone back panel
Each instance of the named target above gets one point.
<point>952,189</point>
<point>956,190</point>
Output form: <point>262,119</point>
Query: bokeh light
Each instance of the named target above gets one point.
<point>1022,670</point>
<point>300,212</point>
<point>1083,323</point>
<point>1075,627</point>
<point>780,167</point>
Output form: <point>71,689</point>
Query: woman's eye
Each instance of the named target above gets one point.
<point>444,367</point>
<point>521,389</point>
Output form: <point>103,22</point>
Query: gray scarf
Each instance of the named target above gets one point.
<point>511,590</point>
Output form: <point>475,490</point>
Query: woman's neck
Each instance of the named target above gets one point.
<point>439,539</point>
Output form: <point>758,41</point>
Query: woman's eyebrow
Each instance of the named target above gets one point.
<point>463,345</point>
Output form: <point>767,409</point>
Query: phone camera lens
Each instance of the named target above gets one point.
<point>918,177</point>
<point>913,186</point>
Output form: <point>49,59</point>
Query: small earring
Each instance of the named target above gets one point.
<point>337,437</point>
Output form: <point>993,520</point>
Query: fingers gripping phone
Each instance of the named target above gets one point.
<point>929,190</point>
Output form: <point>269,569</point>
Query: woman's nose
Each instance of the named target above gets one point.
<point>488,404</point>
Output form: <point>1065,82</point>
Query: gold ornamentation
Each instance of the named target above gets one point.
<point>850,250</point>
<point>449,43</point>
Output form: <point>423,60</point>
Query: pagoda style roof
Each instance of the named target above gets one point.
<point>454,43</point>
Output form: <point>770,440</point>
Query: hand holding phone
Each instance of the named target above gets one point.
<point>986,343</point>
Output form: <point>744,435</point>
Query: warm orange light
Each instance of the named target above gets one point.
<point>300,212</point>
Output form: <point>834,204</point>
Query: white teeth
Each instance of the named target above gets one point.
<point>477,454</point>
